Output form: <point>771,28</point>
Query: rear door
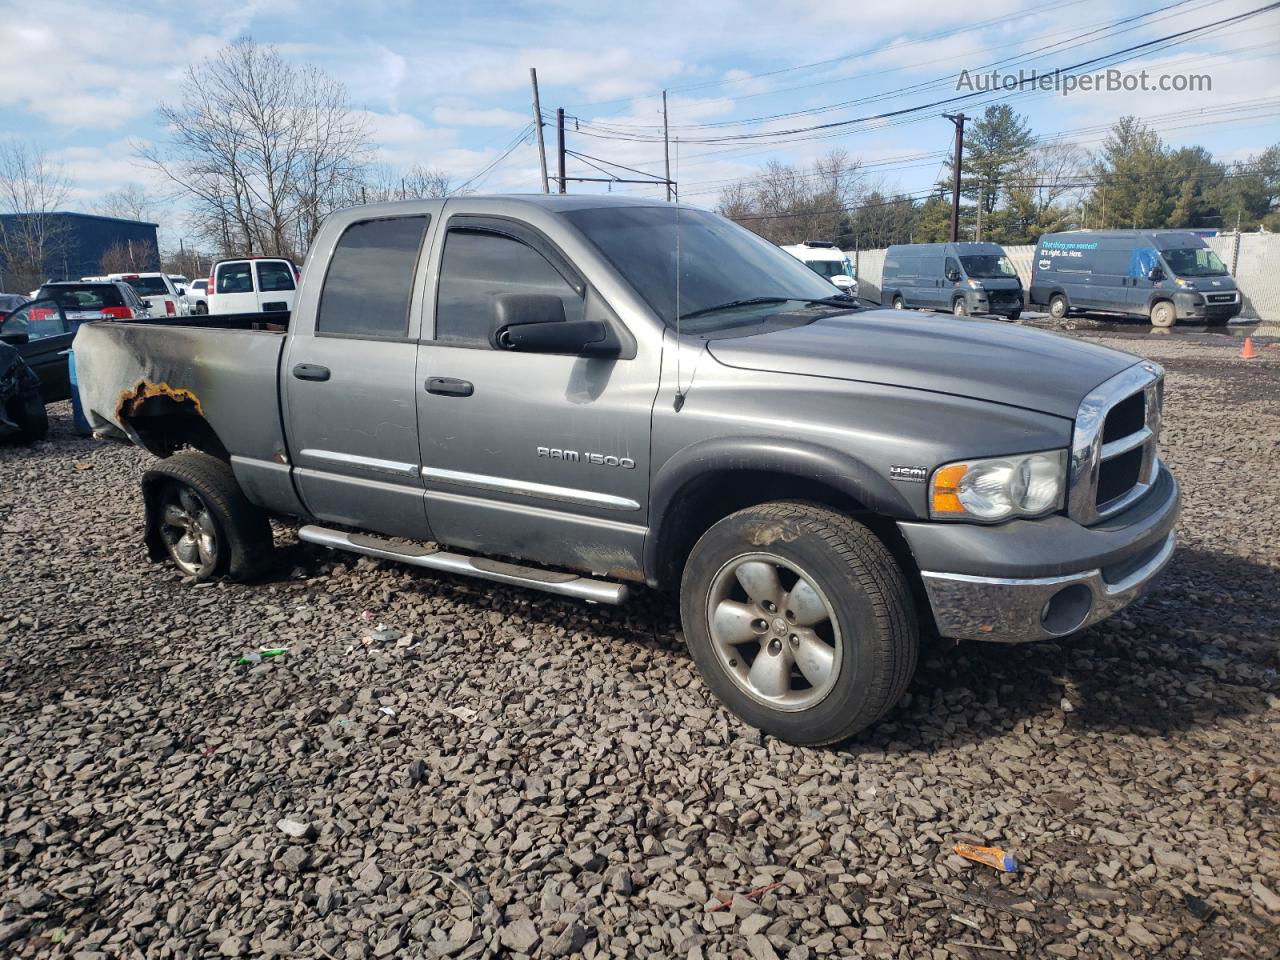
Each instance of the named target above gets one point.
<point>350,383</point>
<point>233,290</point>
<point>538,456</point>
<point>275,285</point>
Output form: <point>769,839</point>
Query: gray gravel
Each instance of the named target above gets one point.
<point>518,775</point>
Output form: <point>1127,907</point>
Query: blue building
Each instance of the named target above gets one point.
<point>81,239</point>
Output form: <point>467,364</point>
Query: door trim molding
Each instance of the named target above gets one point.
<point>371,463</point>
<point>526,488</point>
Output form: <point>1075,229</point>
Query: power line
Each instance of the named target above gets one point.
<point>519,139</point>
<point>1132,51</point>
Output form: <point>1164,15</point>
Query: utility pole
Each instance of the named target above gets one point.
<point>957,119</point>
<point>982,202</point>
<point>666,145</point>
<point>560,143</point>
<point>537,123</point>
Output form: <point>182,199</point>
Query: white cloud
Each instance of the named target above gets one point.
<point>475,117</point>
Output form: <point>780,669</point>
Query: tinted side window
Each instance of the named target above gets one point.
<point>479,266</point>
<point>370,280</point>
<point>234,278</point>
<point>952,265</point>
<point>274,275</point>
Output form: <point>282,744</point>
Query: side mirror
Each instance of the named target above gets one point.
<point>953,275</point>
<point>1156,275</point>
<point>571,337</point>
<point>182,291</point>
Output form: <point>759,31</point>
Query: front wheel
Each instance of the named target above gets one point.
<point>198,517</point>
<point>1013,317</point>
<point>1163,315</point>
<point>960,308</point>
<point>799,620</point>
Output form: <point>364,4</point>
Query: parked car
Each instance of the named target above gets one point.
<point>961,278</point>
<point>156,290</point>
<point>1158,275</point>
<point>10,302</point>
<point>198,296</point>
<point>252,285</point>
<point>827,261</point>
<point>517,378</point>
<point>96,299</point>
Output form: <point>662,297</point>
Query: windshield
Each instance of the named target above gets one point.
<point>988,266</point>
<point>148,286</point>
<point>720,262</point>
<point>827,268</point>
<point>82,296</point>
<point>1194,262</point>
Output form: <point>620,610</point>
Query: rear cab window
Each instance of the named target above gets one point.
<point>83,296</point>
<point>148,286</point>
<point>369,284</point>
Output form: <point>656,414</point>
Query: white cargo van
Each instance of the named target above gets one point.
<point>826,260</point>
<point>252,285</point>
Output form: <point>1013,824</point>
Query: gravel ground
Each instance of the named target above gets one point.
<point>522,775</point>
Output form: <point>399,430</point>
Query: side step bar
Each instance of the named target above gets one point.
<point>551,581</point>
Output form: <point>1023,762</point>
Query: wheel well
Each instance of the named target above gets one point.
<point>1156,301</point>
<point>166,421</point>
<point>708,499</point>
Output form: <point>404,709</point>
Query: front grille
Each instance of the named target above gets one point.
<point>1221,298</point>
<point>1118,476</point>
<point>1114,458</point>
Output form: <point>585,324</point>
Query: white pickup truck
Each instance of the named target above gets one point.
<point>156,290</point>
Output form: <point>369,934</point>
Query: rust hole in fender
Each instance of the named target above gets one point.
<point>131,401</point>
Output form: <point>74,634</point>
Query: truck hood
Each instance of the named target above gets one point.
<point>966,357</point>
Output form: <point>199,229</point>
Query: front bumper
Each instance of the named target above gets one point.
<point>977,591</point>
<point>1198,306</point>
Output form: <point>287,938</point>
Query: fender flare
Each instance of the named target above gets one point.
<point>840,471</point>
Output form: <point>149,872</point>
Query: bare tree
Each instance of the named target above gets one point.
<point>787,204</point>
<point>381,182</point>
<point>265,149</point>
<point>127,203</point>
<point>128,256</point>
<point>32,240</point>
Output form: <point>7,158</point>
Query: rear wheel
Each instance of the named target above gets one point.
<point>1163,315</point>
<point>898,304</point>
<point>1015,315</point>
<point>200,518</point>
<point>799,620</point>
<point>202,309</point>
<point>1058,306</point>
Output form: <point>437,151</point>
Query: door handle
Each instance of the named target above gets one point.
<point>310,371</point>
<point>450,387</point>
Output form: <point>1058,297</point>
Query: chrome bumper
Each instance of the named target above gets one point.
<point>1016,611</point>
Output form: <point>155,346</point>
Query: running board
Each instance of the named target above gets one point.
<point>551,581</point>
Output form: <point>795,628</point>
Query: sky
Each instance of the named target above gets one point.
<point>447,85</point>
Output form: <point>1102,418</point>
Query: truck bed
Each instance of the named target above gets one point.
<point>226,367</point>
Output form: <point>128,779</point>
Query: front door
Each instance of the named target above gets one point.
<point>42,335</point>
<point>350,383</point>
<point>539,456</point>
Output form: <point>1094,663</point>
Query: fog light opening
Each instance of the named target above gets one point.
<point>1067,609</point>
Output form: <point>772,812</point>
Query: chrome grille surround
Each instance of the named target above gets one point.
<point>1088,452</point>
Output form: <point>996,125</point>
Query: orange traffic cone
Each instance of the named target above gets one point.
<point>1247,351</point>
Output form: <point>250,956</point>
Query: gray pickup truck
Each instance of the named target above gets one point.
<point>585,394</point>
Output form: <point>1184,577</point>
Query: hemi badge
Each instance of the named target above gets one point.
<point>909,474</point>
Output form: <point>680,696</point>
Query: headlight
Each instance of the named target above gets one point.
<point>976,284</point>
<point>1027,485</point>
<point>1185,284</point>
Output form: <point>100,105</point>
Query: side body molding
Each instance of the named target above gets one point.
<point>797,458</point>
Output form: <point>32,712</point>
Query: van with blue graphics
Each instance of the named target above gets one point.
<point>1159,275</point>
<point>962,278</point>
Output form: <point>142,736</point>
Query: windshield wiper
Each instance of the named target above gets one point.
<point>849,303</point>
<point>748,302</point>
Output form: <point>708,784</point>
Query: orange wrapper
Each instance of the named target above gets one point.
<point>991,856</point>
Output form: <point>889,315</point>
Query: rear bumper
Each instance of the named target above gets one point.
<point>977,590</point>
